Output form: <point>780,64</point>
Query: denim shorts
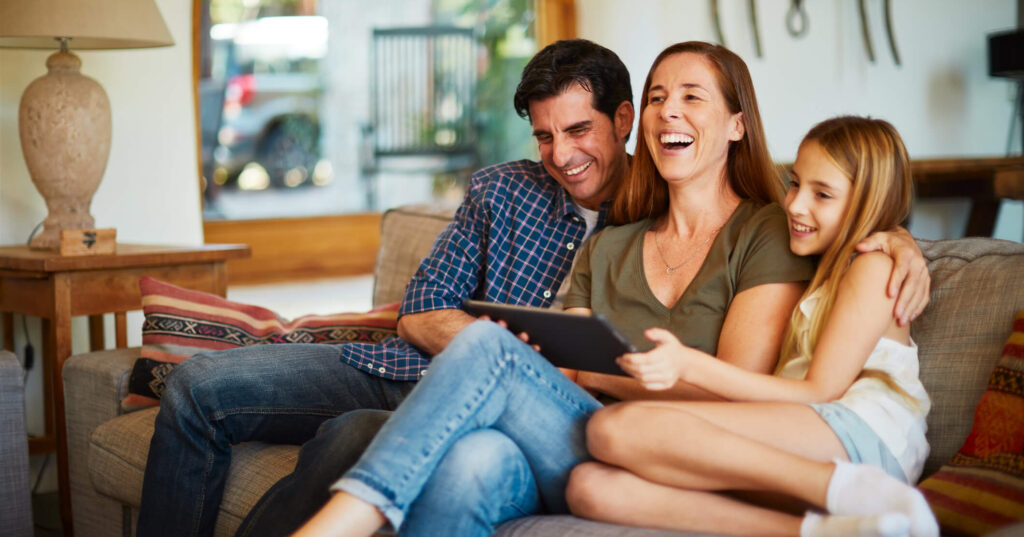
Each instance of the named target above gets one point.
<point>862,444</point>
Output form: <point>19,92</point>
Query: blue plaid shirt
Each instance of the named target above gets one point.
<point>513,240</point>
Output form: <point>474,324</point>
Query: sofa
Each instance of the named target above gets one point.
<point>976,290</point>
<point>15,493</point>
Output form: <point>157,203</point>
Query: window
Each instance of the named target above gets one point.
<point>327,107</point>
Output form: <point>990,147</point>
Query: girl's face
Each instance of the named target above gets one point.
<point>687,124</point>
<point>817,199</point>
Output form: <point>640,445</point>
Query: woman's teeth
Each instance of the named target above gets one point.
<point>675,140</point>
<point>802,228</point>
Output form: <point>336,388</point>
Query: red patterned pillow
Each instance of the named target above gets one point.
<point>982,488</point>
<point>181,322</point>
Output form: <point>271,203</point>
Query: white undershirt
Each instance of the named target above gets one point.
<point>590,217</point>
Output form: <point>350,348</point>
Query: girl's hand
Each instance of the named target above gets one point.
<point>659,368</point>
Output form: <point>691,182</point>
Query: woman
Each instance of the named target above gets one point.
<point>849,391</point>
<point>709,223</point>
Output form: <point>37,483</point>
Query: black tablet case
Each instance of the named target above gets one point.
<point>587,342</point>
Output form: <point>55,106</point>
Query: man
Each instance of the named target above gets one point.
<point>512,240</point>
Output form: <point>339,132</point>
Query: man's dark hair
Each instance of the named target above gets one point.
<point>575,61</point>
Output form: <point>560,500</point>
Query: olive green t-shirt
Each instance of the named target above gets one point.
<point>751,249</point>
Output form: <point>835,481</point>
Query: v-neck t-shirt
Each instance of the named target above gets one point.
<point>751,249</point>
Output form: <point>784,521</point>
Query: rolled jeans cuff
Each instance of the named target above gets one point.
<point>372,496</point>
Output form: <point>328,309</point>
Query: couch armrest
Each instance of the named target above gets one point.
<point>15,493</point>
<point>94,384</point>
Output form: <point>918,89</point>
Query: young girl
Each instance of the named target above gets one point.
<point>847,389</point>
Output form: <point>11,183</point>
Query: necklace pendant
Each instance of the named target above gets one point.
<point>669,270</point>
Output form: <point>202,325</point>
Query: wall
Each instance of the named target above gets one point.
<point>150,191</point>
<point>941,99</point>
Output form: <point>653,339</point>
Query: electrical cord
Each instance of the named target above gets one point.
<point>28,352</point>
<point>34,231</point>
<point>39,476</point>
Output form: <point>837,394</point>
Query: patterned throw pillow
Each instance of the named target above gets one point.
<point>982,488</point>
<point>181,322</point>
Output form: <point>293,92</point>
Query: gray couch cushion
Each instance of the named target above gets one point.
<point>570,526</point>
<point>117,459</point>
<point>406,236</point>
<point>15,500</point>
<point>977,288</point>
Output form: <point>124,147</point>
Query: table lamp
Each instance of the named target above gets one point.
<point>64,116</point>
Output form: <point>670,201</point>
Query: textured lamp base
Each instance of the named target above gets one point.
<point>64,125</point>
<point>57,222</point>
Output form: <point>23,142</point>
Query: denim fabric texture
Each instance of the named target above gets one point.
<point>490,473</point>
<point>486,379</point>
<point>271,393</point>
<point>862,444</point>
<point>512,240</point>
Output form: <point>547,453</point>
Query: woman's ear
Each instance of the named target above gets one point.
<point>737,128</point>
<point>624,115</point>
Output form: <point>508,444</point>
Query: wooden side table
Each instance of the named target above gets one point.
<point>55,288</point>
<point>986,181</point>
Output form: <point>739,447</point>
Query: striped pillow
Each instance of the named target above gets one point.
<point>181,322</point>
<point>982,488</point>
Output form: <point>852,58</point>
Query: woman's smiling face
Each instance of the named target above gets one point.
<point>687,124</point>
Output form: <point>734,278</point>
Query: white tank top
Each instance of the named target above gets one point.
<point>898,422</point>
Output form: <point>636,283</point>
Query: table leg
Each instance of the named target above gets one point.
<point>96,336</point>
<point>121,329</point>
<point>982,219</point>
<point>8,326</point>
<point>56,351</point>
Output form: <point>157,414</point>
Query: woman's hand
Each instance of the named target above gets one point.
<point>910,282</point>
<point>661,367</point>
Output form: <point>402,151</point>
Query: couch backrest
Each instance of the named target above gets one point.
<point>977,288</point>
<point>406,236</point>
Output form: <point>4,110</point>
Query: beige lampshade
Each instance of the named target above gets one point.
<point>91,24</point>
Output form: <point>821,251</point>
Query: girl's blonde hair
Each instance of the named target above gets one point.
<point>749,168</point>
<point>871,154</point>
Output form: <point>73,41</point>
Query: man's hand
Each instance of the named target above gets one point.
<point>909,277</point>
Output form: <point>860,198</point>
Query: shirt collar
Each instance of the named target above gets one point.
<point>563,206</point>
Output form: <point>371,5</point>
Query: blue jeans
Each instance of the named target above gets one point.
<point>493,480</point>
<point>271,393</point>
<point>486,379</point>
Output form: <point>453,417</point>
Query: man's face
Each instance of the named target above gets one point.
<point>580,147</point>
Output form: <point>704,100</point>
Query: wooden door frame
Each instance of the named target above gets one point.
<point>322,246</point>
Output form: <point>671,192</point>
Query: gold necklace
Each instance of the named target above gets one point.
<point>669,269</point>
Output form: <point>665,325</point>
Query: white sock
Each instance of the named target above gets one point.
<point>862,489</point>
<point>884,525</point>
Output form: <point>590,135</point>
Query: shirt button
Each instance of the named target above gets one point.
<point>547,294</point>
<point>381,369</point>
<point>423,372</point>
<point>570,246</point>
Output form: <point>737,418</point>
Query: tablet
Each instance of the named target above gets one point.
<point>587,342</point>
